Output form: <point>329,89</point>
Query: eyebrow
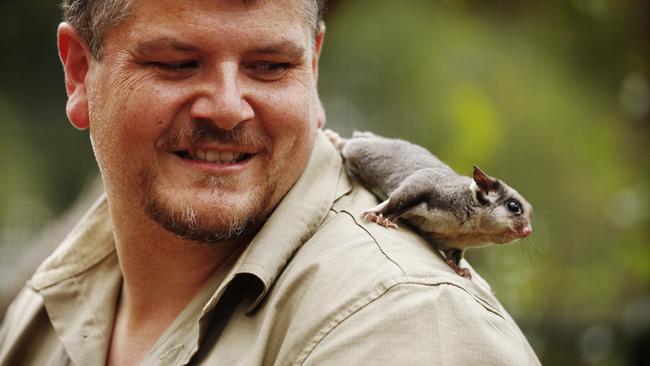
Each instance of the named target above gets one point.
<point>167,43</point>
<point>285,47</point>
<point>164,43</point>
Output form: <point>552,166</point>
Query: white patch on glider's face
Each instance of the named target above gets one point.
<point>491,197</point>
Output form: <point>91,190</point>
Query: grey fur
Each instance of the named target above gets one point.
<point>409,174</point>
<point>452,211</point>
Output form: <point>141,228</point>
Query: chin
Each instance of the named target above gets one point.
<point>204,222</point>
<point>207,213</point>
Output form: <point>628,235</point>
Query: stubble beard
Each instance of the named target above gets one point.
<point>211,223</point>
<point>205,225</point>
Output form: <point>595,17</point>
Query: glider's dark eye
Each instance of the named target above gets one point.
<point>514,206</point>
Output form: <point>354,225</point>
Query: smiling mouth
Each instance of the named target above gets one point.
<point>211,156</point>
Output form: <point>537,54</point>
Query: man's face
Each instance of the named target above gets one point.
<point>201,112</point>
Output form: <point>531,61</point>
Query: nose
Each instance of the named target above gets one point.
<point>221,100</point>
<point>525,232</point>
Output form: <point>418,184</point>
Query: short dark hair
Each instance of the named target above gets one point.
<point>93,18</point>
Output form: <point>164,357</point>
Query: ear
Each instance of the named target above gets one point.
<point>318,46</point>
<point>320,110</point>
<point>483,181</point>
<point>76,59</point>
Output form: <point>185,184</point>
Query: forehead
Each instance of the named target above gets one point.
<point>239,20</point>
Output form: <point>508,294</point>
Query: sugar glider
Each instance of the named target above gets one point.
<point>453,212</point>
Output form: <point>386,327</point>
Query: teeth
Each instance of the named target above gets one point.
<point>214,156</point>
<point>226,156</point>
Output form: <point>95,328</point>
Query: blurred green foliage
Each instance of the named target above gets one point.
<point>551,96</point>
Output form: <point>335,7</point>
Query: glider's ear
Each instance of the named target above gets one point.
<point>484,181</point>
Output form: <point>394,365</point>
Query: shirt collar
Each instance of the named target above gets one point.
<point>295,219</point>
<point>87,244</point>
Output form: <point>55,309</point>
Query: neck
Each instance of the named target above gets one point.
<point>162,272</point>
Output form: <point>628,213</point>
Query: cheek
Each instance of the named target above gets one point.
<point>287,117</point>
<point>501,217</point>
<point>293,141</point>
<point>141,110</point>
<point>125,125</point>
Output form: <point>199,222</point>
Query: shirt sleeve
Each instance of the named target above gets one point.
<point>415,324</point>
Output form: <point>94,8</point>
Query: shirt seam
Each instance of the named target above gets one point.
<point>484,302</point>
<point>359,304</point>
<point>375,241</point>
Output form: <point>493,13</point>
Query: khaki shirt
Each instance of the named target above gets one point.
<point>316,286</point>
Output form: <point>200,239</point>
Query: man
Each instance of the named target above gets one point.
<point>229,232</point>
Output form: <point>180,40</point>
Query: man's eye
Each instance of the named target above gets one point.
<point>268,70</point>
<point>175,66</point>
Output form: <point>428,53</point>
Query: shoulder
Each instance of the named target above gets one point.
<point>414,324</point>
<point>367,254</point>
<point>360,281</point>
